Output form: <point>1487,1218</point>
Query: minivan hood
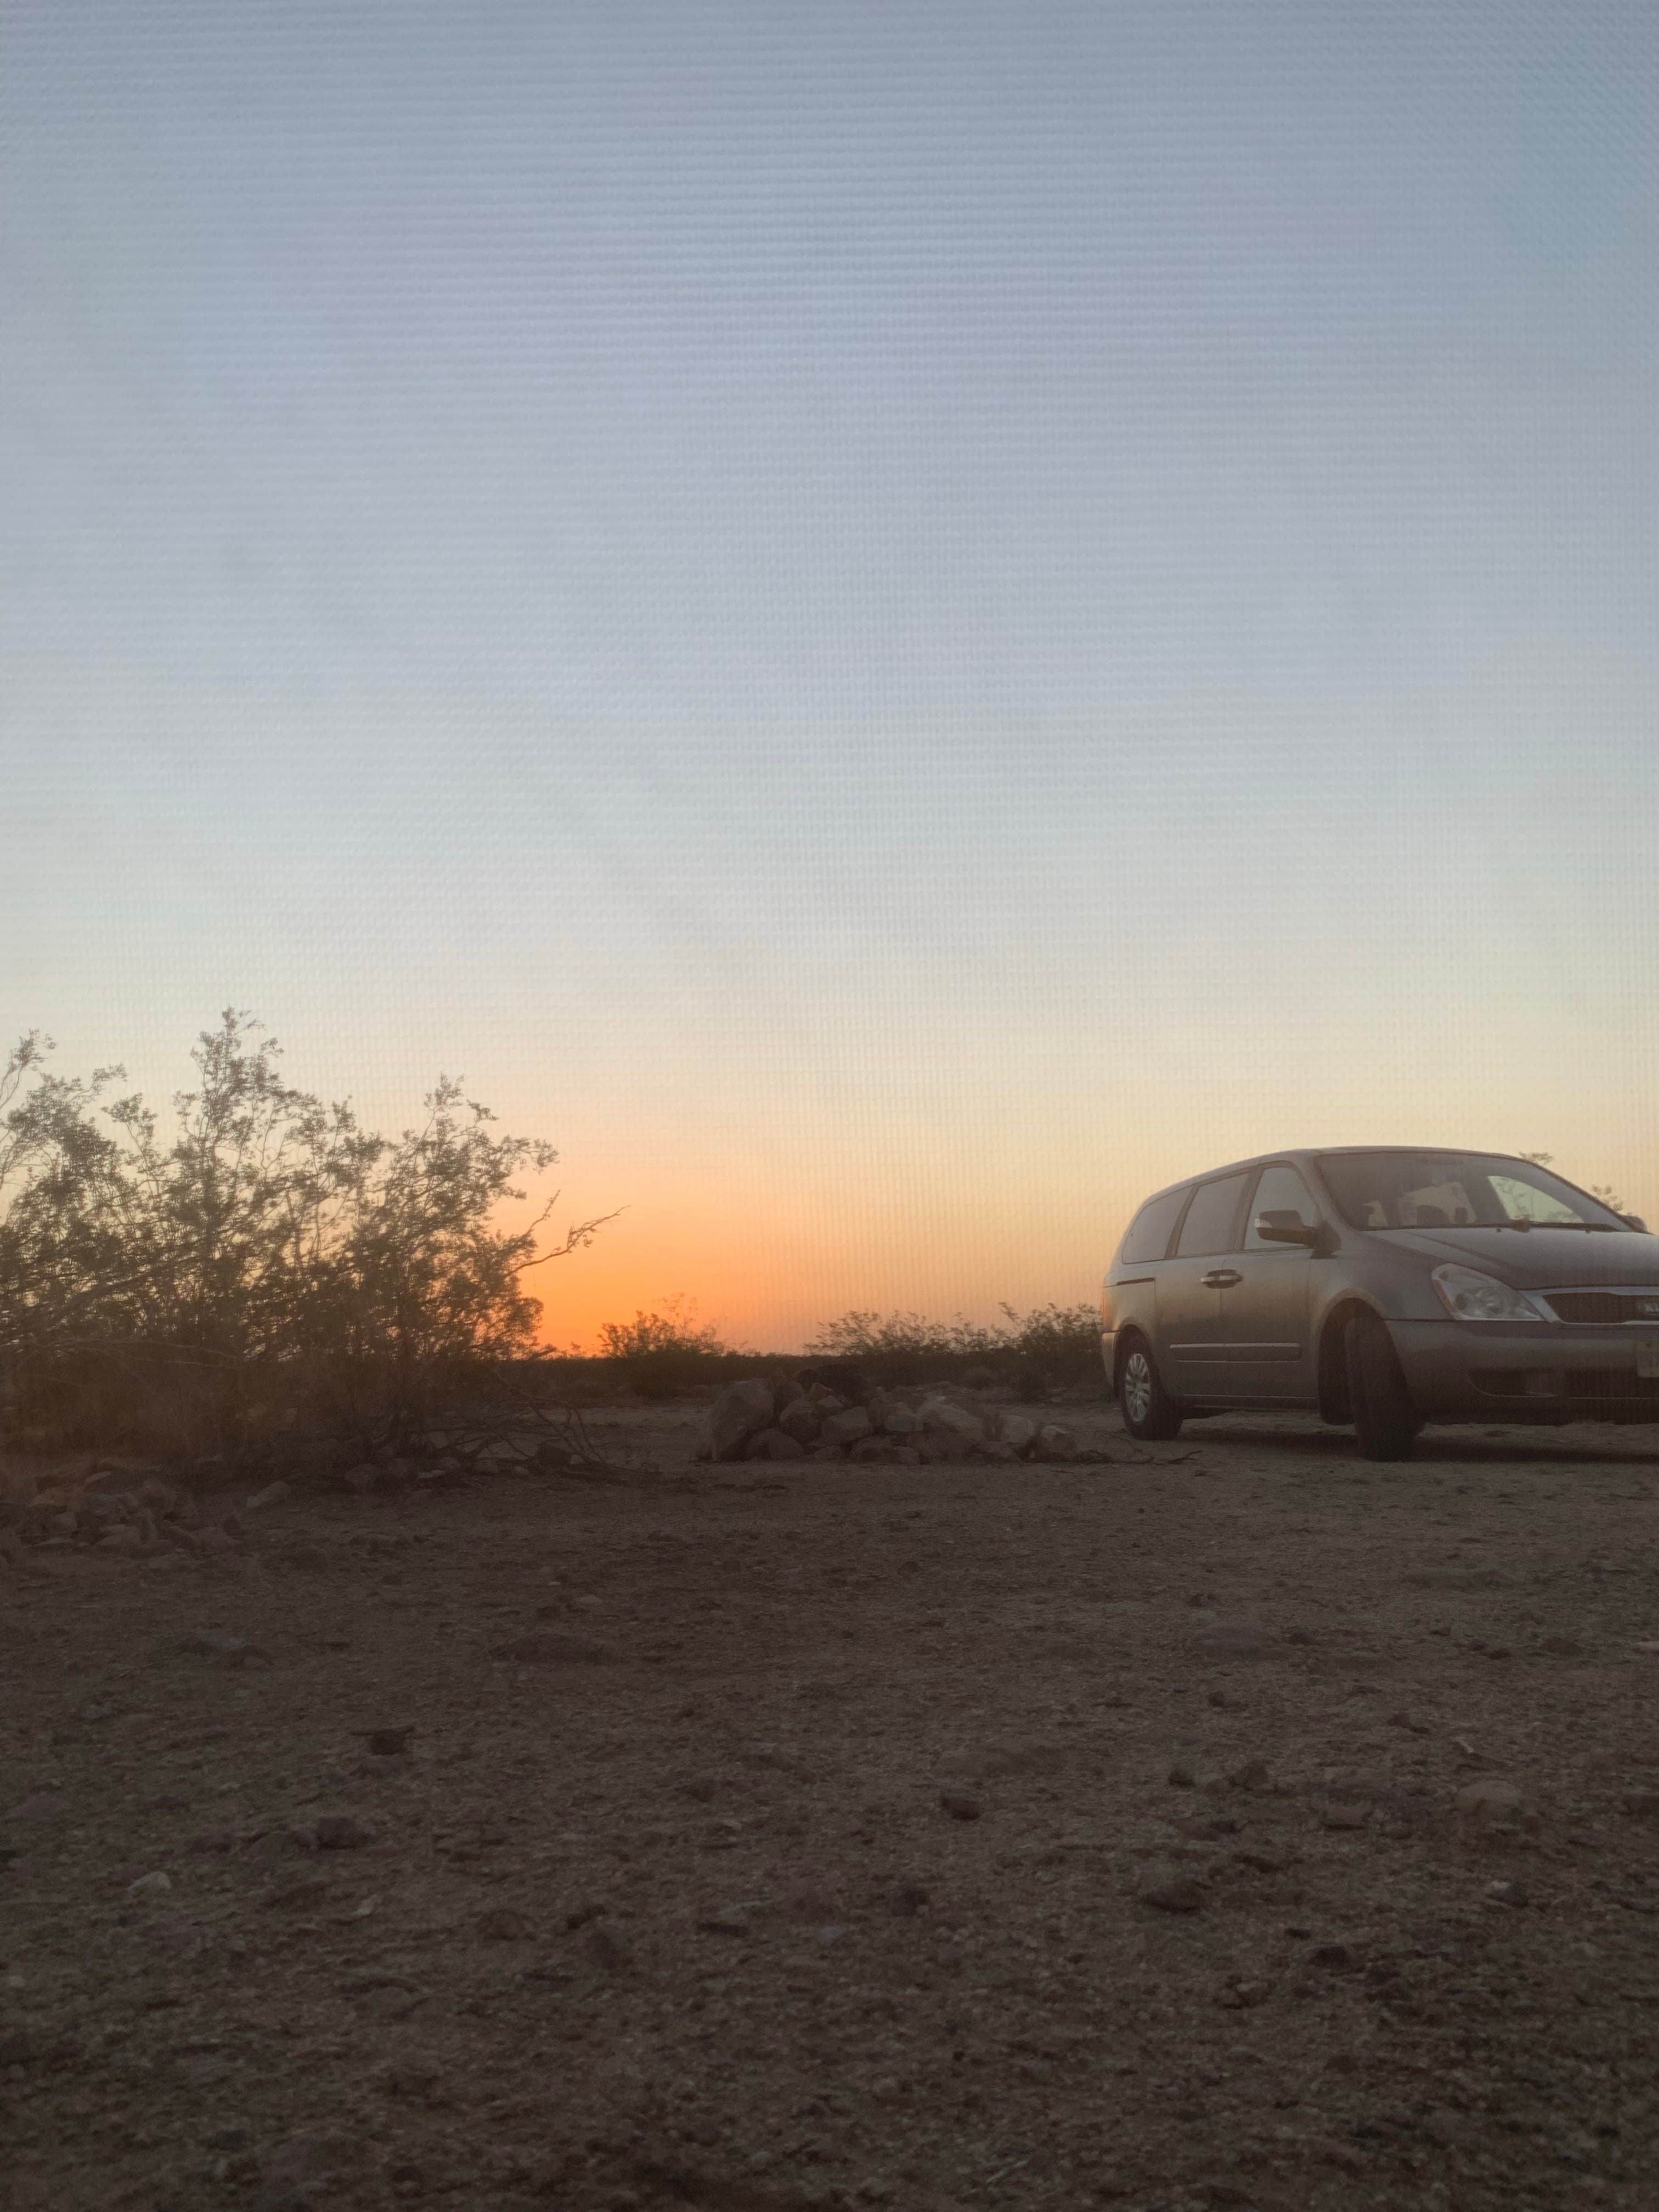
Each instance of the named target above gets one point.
<point>1536,1258</point>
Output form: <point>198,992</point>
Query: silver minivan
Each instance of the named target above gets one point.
<point>1384,1287</point>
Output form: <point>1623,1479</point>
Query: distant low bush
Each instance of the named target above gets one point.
<point>665,1353</point>
<point>1051,1348</point>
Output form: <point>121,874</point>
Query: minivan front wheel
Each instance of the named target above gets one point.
<point>1150,1413</point>
<point>1383,1416</point>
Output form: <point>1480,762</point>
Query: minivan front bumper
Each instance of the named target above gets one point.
<point>1458,1371</point>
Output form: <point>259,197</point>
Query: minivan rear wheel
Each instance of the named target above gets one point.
<point>1150,1413</point>
<point>1384,1418</point>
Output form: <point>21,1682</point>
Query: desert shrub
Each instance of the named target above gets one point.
<point>1053,1347</point>
<point>1058,1346</point>
<point>665,1353</point>
<point>288,1261</point>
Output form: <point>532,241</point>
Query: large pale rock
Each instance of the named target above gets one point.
<point>847,1428</point>
<point>1054,1441</point>
<point>1018,1430</point>
<point>741,1409</point>
<point>873,1451</point>
<point>946,1419</point>
<point>787,1389</point>
<point>774,1443</point>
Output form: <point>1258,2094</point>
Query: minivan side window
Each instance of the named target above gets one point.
<point>1149,1232</point>
<point>1209,1224</point>
<point>1281,1190</point>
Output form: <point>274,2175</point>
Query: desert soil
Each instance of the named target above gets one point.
<point>1237,1823</point>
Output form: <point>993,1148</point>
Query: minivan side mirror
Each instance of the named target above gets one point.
<point>1281,1226</point>
<point>1635,1221</point>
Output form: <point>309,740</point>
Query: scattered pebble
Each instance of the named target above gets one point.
<point>1231,1639</point>
<point>1172,1892</point>
<point>340,1832</point>
<point>1342,1816</point>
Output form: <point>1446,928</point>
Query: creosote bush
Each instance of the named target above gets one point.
<point>1052,1348</point>
<point>665,1353</point>
<point>265,1259</point>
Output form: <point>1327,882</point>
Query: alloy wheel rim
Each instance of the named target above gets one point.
<point>1138,1386</point>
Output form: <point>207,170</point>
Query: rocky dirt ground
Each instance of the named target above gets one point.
<point>1231,1823</point>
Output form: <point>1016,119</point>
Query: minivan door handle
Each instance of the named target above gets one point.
<point>1222,1279</point>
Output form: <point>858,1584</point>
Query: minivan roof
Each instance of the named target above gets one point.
<point>1326,1152</point>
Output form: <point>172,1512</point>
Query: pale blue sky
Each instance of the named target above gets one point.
<point>890,619</point>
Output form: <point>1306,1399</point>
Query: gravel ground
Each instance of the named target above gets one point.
<point>1238,1823</point>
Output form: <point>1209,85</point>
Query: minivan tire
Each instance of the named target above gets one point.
<point>1384,1418</point>
<point>1150,1413</point>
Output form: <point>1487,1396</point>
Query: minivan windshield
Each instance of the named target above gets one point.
<point>1456,1190</point>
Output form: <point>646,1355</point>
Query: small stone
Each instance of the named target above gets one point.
<point>1182,1774</point>
<point>1506,1893</point>
<point>1562,1647</point>
<point>726,1920</point>
<point>828,1452</point>
<point>387,1743</point>
<point>150,1885</point>
<point>829,1935</point>
<point>231,1650</point>
<point>544,1647</point>
<point>1231,1639</point>
<point>908,1898</point>
<point>501,1924</point>
<point>587,1603</point>
<point>994,1451</point>
<point>290,1893</point>
<point>272,1494</point>
<point>1491,1806</point>
<point>606,1948</point>
<point>123,1537</point>
<point>340,1832</point>
<point>1172,1892</point>
<point>1054,1441</point>
<point>1252,1775</point>
<point>363,1478</point>
<point>959,1805</point>
<point>1342,1816</point>
<point>872,1451</point>
<point>40,1804</point>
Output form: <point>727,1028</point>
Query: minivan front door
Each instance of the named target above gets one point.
<point>1265,1351</point>
<point>1193,1287</point>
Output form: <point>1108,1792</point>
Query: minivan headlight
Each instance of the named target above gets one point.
<point>1467,1295</point>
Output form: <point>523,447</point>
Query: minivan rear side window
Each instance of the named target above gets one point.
<point>1149,1232</point>
<point>1209,1224</point>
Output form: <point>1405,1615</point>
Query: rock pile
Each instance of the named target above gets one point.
<point>144,1508</point>
<point>784,1417</point>
<point>96,1512</point>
